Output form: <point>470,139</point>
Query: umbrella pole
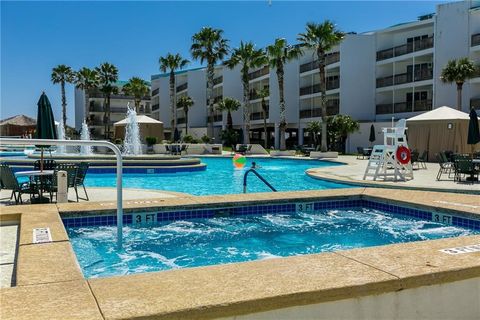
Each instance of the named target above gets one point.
<point>41,160</point>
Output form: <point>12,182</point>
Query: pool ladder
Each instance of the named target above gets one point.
<point>259,177</point>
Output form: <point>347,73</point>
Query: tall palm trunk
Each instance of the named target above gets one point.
<point>210,76</point>
<point>107,131</point>
<point>459,95</point>
<point>264,114</point>
<point>229,120</point>
<point>87,103</point>
<point>137,105</point>
<point>283,121</point>
<point>105,116</point>
<point>246,109</point>
<point>186,120</point>
<point>323,97</point>
<point>173,108</point>
<point>64,104</point>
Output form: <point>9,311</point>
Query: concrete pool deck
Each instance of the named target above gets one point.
<point>424,179</point>
<point>50,284</point>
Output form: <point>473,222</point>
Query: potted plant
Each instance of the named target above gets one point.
<point>150,142</point>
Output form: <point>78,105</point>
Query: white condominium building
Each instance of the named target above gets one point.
<point>374,76</point>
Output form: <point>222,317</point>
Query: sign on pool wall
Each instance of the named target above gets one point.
<point>442,218</point>
<point>304,207</point>
<point>144,218</point>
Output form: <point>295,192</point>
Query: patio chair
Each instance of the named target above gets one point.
<point>184,149</point>
<point>167,148</point>
<point>414,158</point>
<point>79,179</point>
<point>48,164</point>
<point>9,182</point>
<point>464,166</point>
<point>71,170</point>
<point>422,160</point>
<point>360,153</point>
<point>445,166</point>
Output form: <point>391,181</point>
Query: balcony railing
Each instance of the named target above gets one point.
<point>155,92</point>
<point>217,80</point>
<point>258,115</point>
<point>331,85</point>
<point>181,120</point>
<point>329,59</point>
<point>217,99</point>
<point>414,46</point>
<point>182,87</point>
<point>420,75</point>
<point>217,117</point>
<point>115,96</point>
<point>155,107</point>
<point>257,74</point>
<point>402,107</point>
<point>333,108</point>
<point>99,108</point>
<point>475,39</point>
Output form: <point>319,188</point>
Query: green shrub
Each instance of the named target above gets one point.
<point>118,141</point>
<point>151,140</point>
<point>189,139</point>
<point>205,139</point>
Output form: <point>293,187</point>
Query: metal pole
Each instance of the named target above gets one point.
<point>114,148</point>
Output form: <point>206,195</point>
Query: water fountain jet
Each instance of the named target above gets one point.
<point>85,135</point>
<point>132,144</point>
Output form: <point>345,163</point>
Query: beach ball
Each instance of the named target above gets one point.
<point>239,161</point>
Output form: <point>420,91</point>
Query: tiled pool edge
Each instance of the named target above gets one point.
<point>148,281</point>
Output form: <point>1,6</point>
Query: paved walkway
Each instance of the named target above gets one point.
<point>424,179</point>
<point>100,194</point>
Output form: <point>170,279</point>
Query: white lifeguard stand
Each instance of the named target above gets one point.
<point>383,162</point>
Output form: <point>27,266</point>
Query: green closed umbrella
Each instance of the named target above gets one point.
<point>372,134</point>
<point>45,123</point>
<point>473,130</point>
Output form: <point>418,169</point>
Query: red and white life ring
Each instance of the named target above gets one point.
<point>403,155</point>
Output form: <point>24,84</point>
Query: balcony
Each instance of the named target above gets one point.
<point>420,75</point>
<point>98,94</point>
<point>333,108</point>
<point>217,80</point>
<point>155,107</point>
<point>258,115</point>
<point>254,94</point>
<point>475,39</point>
<point>332,83</point>
<point>99,108</point>
<point>414,46</point>
<point>182,87</point>
<point>329,59</point>
<point>181,120</point>
<point>475,103</point>
<point>155,92</point>
<point>217,117</point>
<point>259,73</point>
<point>402,107</point>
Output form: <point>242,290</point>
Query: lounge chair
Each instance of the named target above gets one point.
<point>79,179</point>
<point>9,182</point>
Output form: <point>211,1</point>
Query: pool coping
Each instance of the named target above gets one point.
<point>208,292</point>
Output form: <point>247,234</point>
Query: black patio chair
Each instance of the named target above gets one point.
<point>167,148</point>
<point>422,159</point>
<point>360,153</point>
<point>464,166</point>
<point>79,179</point>
<point>184,148</point>
<point>71,170</point>
<point>445,167</point>
<point>10,182</point>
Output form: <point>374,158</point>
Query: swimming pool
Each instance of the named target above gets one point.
<point>201,237</point>
<point>221,177</point>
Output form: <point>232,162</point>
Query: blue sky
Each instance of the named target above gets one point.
<point>37,36</point>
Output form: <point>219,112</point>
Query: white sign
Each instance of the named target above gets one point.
<point>144,218</point>
<point>42,235</point>
<point>305,206</point>
<point>464,249</point>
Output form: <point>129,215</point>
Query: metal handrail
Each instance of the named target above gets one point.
<point>114,148</point>
<point>259,176</point>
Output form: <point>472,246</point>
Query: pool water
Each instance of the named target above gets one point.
<point>202,242</point>
<point>222,178</point>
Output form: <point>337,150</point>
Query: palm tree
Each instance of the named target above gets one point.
<point>342,126</point>
<point>278,54</point>
<point>210,46</point>
<point>185,102</point>
<point>171,63</point>
<point>229,105</point>
<point>108,76</point>
<point>86,79</point>
<point>63,74</point>
<point>314,127</point>
<point>321,37</point>
<point>248,57</point>
<point>458,71</point>
<point>264,93</point>
<point>138,88</point>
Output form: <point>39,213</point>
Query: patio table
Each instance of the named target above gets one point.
<point>33,174</point>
